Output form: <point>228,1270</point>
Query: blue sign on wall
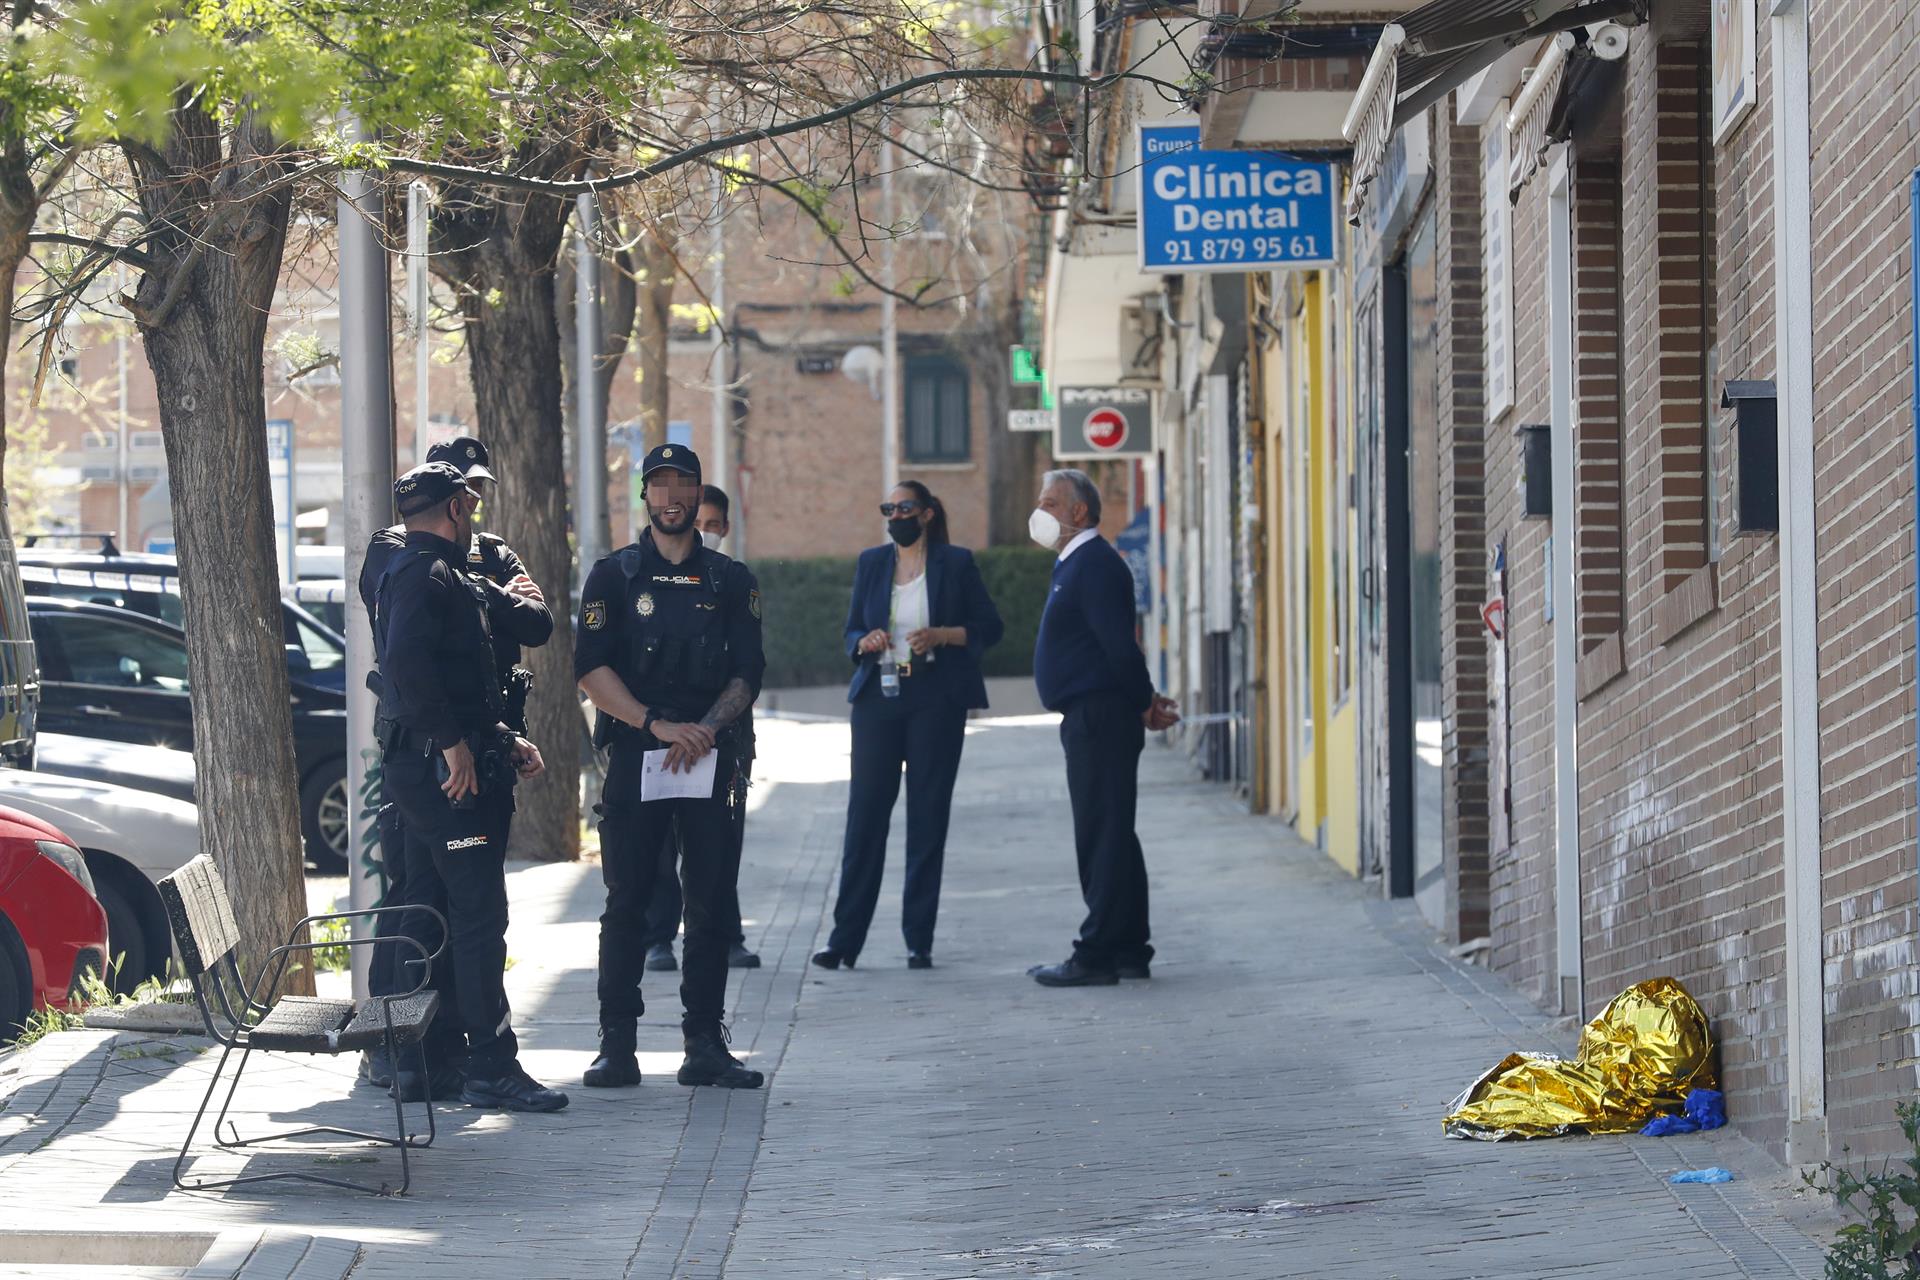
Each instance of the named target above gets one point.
<point>1230,210</point>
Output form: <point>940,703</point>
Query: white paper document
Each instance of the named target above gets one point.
<point>689,784</point>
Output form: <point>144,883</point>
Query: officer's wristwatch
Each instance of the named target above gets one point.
<point>646,726</point>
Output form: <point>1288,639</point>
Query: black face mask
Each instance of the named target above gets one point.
<point>905,532</point>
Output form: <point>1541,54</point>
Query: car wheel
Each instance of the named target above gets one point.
<point>16,982</point>
<point>133,955</point>
<point>323,818</point>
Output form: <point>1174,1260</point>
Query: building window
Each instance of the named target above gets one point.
<point>938,424</point>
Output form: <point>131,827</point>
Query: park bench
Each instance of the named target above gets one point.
<point>204,930</point>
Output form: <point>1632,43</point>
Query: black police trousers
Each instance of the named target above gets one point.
<point>389,970</point>
<point>664,907</point>
<point>455,862</point>
<point>1103,737</point>
<point>923,730</point>
<point>633,836</point>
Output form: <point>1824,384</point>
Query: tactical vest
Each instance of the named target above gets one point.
<point>675,629</point>
<point>462,652</point>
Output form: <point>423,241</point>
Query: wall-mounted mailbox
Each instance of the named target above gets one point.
<point>1536,470</point>
<point>1756,457</point>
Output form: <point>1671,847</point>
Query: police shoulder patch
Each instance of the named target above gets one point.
<point>753,602</point>
<point>594,614</point>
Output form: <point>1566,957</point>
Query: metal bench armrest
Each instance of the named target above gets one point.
<point>445,931</point>
<point>286,950</point>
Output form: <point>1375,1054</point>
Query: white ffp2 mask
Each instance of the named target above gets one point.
<point>1044,528</point>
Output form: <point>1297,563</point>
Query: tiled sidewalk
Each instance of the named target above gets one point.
<point>1268,1105</point>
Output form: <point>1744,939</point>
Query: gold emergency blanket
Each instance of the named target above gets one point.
<point>1636,1060</point>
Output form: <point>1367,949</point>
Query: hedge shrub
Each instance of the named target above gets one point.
<point>804,604</point>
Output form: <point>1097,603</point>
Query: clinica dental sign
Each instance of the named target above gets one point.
<point>1229,210</point>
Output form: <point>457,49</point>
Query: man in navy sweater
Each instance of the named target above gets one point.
<point>1089,667</point>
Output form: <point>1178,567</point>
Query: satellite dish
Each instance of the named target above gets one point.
<point>864,364</point>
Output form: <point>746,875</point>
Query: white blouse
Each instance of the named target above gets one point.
<point>909,615</point>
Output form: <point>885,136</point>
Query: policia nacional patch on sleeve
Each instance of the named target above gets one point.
<point>595,614</point>
<point>753,604</point>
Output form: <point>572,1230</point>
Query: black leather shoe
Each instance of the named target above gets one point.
<point>613,1069</point>
<point>376,1069</point>
<point>919,960</point>
<point>708,1063</point>
<point>660,958</point>
<point>442,1084</point>
<point>1135,972</point>
<point>828,958</point>
<point>512,1090</point>
<point>738,957</point>
<point>1071,973</point>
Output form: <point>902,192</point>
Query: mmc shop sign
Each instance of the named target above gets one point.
<point>1229,210</point>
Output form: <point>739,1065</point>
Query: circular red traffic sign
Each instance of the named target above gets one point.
<point>1106,428</point>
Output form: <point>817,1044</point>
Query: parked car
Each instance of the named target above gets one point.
<point>325,599</point>
<point>150,585</point>
<point>129,840</point>
<point>106,672</point>
<point>52,928</point>
<point>165,771</point>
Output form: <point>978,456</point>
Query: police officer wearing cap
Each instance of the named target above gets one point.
<point>663,908</point>
<point>517,614</point>
<point>450,765</point>
<point>668,648</point>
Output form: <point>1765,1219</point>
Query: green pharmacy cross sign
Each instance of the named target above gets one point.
<point>1026,369</point>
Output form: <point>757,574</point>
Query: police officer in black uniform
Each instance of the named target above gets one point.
<point>518,615</point>
<point>450,765</point>
<point>663,908</point>
<point>668,648</point>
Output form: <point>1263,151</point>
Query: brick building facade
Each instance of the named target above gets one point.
<point>1651,665</point>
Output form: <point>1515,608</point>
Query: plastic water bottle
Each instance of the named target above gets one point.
<point>889,679</point>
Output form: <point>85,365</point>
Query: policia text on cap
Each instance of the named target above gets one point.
<point>669,650</point>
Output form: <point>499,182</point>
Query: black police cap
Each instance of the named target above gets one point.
<point>677,456</point>
<point>466,453</point>
<point>427,486</point>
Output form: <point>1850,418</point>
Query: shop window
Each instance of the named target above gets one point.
<point>937,410</point>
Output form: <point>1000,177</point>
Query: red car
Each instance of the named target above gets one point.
<point>52,930</point>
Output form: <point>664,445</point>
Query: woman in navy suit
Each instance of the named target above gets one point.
<point>919,621</point>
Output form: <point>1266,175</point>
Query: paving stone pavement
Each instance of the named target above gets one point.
<point>1267,1106</point>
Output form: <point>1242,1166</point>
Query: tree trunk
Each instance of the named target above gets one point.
<point>202,314</point>
<point>505,277</point>
<point>653,325</point>
<point>19,207</point>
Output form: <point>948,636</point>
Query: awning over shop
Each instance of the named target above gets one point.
<point>1437,47</point>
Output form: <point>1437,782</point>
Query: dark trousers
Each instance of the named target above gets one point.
<point>923,730</point>
<point>633,838</point>
<point>455,862</point>
<point>1103,737</point>
<point>389,971</point>
<point>663,908</point>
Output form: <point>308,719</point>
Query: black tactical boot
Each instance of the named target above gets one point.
<point>708,1063</point>
<point>512,1089</point>
<point>616,1067</point>
<point>376,1069</point>
<point>444,1083</point>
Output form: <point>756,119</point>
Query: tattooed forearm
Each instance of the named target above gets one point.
<point>729,706</point>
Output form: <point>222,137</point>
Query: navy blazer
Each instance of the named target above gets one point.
<point>956,597</point>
